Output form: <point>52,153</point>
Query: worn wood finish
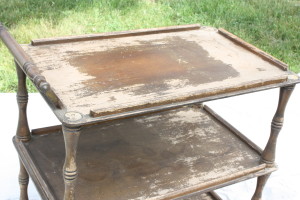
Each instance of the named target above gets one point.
<point>155,109</point>
<point>105,77</point>
<point>261,182</point>
<point>46,130</point>
<point>159,148</point>
<point>268,155</point>
<point>233,129</point>
<point>25,63</point>
<point>40,182</point>
<point>23,182</point>
<point>71,136</point>
<point>150,157</point>
<point>254,49</point>
<point>184,58</point>
<point>112,35</point>
<point>23,133</point>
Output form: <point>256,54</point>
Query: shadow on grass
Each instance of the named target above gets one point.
<point>15,11</point>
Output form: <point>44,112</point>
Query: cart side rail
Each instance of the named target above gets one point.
<point>29,68</point>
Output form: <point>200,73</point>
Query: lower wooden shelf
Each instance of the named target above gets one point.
<point>182,152</point>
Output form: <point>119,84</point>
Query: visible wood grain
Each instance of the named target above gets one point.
<point>112,77</point>
<point>23,133</point>
<point>261,182</point>
<point>205,93</point>
<point>33,170</point>
<point>148,162</point>
<point>24,62</point>
<point>233,129</point>
<point>253,49</point>
<point>111,35</point>
<point>268,155</point>
<point>46,130</point>
<point>71,136</point>
<point>156,109</point>
<point>23,182</point>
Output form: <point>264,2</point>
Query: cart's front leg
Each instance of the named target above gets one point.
<point>23,182</point>
<point>261,182</point>
<point>23,133</point>
<point>71,136</point>
<point>268,155</point>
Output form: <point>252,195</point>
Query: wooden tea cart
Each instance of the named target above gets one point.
<point>133,125</point>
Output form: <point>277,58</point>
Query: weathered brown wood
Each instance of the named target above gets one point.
<point>253,49</point>
<point>126,74</point>
<point>112,35</point>
<point>133,156</point>
<point>233,129</point>
<point>30,69</point>
<point>47,193</point>
<point>46,130</point>
<point>268,155</point>
<point>33,170</point>
<point>23,133</point>
<point>153,151</point>
<point>205,93</point>
<point>261,182</point>
<point>71,136</point>
<point>155,109</point>
<point>23,182</point>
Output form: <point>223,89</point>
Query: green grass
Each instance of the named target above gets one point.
<point>272,25</point>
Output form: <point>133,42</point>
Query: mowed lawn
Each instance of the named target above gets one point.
<point>272,25</point>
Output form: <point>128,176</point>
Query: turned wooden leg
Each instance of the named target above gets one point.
<point>268,155</point>
<point>261,182</point>
<point>71,136</point>
<point>23,182</point>
<point>23,133</point>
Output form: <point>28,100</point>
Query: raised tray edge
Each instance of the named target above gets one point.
<point>96,117</point>
<point>237,133</point>
<point>109,35</point>
<point>253,49</point>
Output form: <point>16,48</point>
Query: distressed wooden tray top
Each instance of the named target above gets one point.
<point>165,144</point>
<point>108,74</point>
<point>157,156</point>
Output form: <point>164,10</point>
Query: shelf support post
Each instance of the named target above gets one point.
<point>22,133</point>
<point>268,155</point>
<point>71,136</point>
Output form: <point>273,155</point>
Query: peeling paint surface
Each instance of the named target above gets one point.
<point>149,157</point>
<point>111,75</point>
